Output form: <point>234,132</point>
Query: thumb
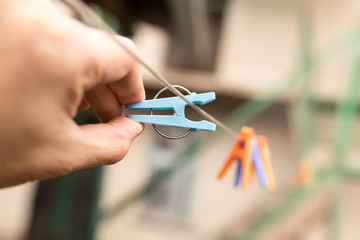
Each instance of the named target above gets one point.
<point>108,143</point>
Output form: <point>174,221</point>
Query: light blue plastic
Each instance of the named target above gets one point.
<point>178,119</point>
<point>238,173</point>
<point>258,165</point>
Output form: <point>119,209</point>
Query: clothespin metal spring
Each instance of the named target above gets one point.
<point>151,113</point>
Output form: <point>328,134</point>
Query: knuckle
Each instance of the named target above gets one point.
<point>132,47</point>
<point>128,42</point>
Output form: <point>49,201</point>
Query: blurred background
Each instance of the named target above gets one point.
<point>290,69</point>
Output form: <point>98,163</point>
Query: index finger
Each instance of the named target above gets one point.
<point>113,76</point>
<point>112,65</point>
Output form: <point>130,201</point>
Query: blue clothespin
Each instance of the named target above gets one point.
<point>178,119</point>
<point>238,173</point>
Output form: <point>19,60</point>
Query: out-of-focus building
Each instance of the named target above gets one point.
<point>239,49</point>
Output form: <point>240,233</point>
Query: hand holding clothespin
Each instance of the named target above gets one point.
<point>253,156</point>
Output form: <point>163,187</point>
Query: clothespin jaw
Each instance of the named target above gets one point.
<point>235,153</point>
<point>178,119</point>
<point>258,163</point>
<point>238,173</point>
<point>266,159</point>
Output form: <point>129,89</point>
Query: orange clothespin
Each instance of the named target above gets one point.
<point>246,134</point>
<point>251,173</point>
<point>266,159</point>
<point>253,156</point>
<point>241,151</point>
<point>236,152</point>
<point>304,173</point>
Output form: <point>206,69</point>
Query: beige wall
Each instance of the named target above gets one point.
<point>259,44</point>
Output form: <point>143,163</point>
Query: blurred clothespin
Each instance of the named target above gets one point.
<point>305,174</point>
<point>252,156</point>
<point>266,159</point>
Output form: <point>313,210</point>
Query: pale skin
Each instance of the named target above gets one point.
<point>50,67</point>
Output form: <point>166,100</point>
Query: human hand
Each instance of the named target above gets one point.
<point>49,65</point>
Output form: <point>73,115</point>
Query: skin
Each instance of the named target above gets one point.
<point>51,66</point>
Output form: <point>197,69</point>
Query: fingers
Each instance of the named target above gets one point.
<point>84,105</point>
<point>110,64</point>
<point>114,76</point>
<point>108,143</point>
<point>112,79</point>
<point>130,88</point>
<point>104,103</point>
